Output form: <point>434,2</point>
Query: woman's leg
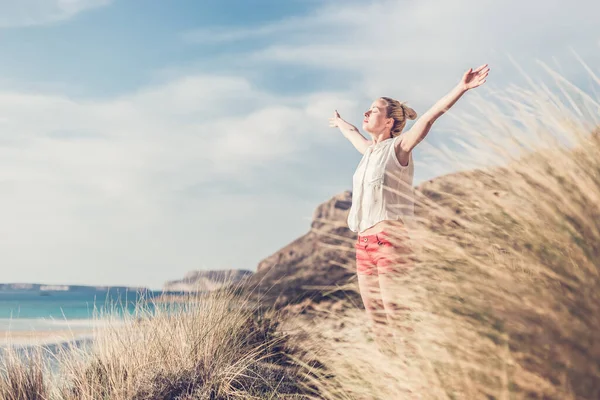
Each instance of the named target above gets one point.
<point>370,292</point>
<point>371,296</point>
<point>394,260</point>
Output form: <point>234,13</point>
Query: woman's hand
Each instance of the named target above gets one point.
<point>472,79</point>
<point>335,121</point>
<point>350,132</point>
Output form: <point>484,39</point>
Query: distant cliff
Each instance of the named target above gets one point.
<point>206,281</point>
<point>38,287</point>
<point>315,266</point>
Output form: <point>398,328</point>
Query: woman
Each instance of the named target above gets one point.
<point>382,197</point>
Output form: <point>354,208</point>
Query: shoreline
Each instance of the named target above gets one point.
<point>40,332</point>
<point>44,338</point>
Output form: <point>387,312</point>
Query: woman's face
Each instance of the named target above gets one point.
<point>375,118</point>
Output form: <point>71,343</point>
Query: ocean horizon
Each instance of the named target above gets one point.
<point>58,310</point>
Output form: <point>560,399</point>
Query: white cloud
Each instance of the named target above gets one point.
<point>106,184</point>
<point>219,35</point>
<point>41,12</point>
<point>418,49</point>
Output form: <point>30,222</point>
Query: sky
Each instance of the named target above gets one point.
<point>140,140</point>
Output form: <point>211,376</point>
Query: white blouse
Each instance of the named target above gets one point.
<point>381,188</point>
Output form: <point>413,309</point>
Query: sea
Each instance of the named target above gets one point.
<point>60,310</point>
<point>37,313</point>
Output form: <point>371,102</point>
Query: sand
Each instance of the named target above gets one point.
<point>30,338</point>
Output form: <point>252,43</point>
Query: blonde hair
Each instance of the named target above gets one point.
<point>400,112</point>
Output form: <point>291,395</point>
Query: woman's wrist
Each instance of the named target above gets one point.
<point>460,88</point>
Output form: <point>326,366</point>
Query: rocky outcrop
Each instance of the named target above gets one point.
<point>329,220</point>
<point>315,266</point>
<point>206,281</point>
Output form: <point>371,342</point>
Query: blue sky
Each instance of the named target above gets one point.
<point>140,140</point>
<point>126,45</point>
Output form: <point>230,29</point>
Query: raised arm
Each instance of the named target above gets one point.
<point>350,132</point>
<point>470,80</point>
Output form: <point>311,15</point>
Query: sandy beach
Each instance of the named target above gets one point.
<point>33,338</point>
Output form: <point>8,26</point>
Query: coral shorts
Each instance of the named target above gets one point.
<point>382,253</point>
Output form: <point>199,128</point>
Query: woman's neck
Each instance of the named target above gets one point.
<point>380,138</point>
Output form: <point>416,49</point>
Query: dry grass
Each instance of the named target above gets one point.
<point>24,376</point>
<point>211,347</point>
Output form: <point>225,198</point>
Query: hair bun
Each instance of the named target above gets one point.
<point>399,112</point>
<point>409,112</point>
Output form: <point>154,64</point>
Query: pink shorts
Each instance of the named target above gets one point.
<point>381,254</point>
